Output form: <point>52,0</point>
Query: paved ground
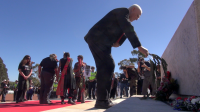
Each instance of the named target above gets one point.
<point>133,104</point>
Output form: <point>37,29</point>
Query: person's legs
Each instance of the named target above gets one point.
<point>121,88</point>
<point>77,87</point>
<point>145,85</point>
<point>38,95</point>
<point>153,86</point>
<point>27,95</point>
<point>71,95</point>
<point>133,87</point>
<point>3,97</point>
<point>14,96</point>
<point>105,69</point>
<point>126,89</point>
<point>18,95</point>
<point>21,91</point>
<point>31,96</point>
<point>93,89</point>
<point>49,94</point>
<point>42,88</point>
<point>49,78</point>
<point>83,91</point>
<point>89,89</point>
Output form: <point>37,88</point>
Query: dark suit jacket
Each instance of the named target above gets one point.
<point>110,28</point>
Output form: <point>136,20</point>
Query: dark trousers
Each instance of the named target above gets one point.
<point>79,91</point>
<point>3,96</point>
<point>91,88</point>
<point>105,69</point>
<point>21,90</point>
<point>124,86</point>
<point>14,95</point>
<point>46,84</point>
<point>54,94</point>
<point>133,87</point>
<point>70,94</point>
<point>29,96</point>
<point>113,92</point>
<point>139,87</point>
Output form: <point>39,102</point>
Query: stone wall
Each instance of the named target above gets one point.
<point>183,52</point>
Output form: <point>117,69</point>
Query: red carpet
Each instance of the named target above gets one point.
<point>32,106</point>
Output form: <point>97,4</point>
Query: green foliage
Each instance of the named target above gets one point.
<point>35,81</point>
<point>137,53</point>
<point>11,85</point>
<point>131,61</point>
<point>34,76</point>
<point>3,71</point>
<point>125,62</point>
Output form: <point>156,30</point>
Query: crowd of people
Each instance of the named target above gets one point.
<point>110,31</point>
<point>132,81</point>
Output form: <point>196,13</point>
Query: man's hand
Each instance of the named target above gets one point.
<point>116,44</point>
<point>143,51</point>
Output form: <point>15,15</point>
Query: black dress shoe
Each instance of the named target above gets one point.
<point>104,104</point>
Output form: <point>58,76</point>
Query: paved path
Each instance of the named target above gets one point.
<point>133,104</point>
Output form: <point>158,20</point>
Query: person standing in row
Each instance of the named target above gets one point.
<point>67,80</point>
<point>113,87</point>
<point>80,80</point>
<point>49,68</point>
<point>4,90</point>
<point>25,71</point>
<point>55,85</point>
<point>92,83</point>
<point>15,90</point>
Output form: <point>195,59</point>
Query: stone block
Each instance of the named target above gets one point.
<point>183,52</point>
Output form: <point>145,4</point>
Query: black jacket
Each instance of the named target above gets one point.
<point>110,28</point>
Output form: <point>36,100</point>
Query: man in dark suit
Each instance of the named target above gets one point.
<point>111,31</point>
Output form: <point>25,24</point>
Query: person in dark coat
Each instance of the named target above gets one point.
<point>49,69</point>
<point>111,31</point>
<point>25,71</point>
<point>69,80</point>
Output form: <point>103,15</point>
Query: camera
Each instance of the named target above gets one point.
<point>141,63</point>
<point>122,67</point>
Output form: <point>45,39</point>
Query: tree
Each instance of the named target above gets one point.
<point>131,61</point>
<point>117,74</point>
<point>137,54</point>
<point>3,71</point>
<point>125,62</point>
<point>11,85</point>
<point>34,76</point>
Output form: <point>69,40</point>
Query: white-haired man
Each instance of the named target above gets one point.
<point>111,31</point>
<point>46,71</point>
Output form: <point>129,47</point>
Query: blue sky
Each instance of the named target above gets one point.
<point>41,27</point>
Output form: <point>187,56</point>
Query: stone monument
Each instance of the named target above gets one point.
<point>183,52</point>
